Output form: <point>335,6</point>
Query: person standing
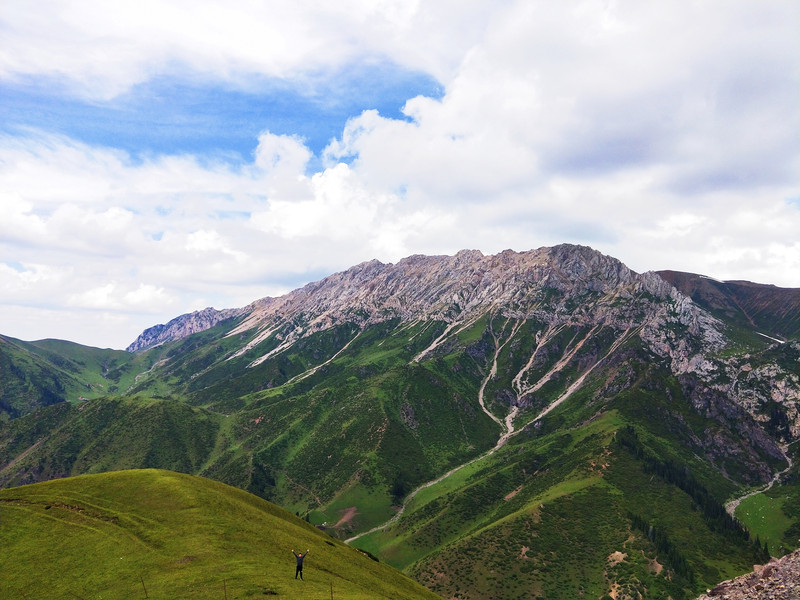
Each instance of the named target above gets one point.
<point>299,557</point>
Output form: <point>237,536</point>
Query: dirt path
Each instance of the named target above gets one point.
<point>732,505</point>
<point>508,423</point>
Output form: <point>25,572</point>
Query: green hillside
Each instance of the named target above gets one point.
<point>346,443</point>
<point>36,374</point>
<point>593,434</point>
<point>163,535</point>
<point>577,511</point>
<point>107,434</point>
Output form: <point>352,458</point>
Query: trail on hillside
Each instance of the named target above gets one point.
<point>508,423</point>
<point>732,505</point>
<point>313,370</point>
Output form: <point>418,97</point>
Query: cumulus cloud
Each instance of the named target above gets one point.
<point>101,49</point>
<point>663,134</point>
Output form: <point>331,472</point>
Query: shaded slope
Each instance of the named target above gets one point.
<point>766,308</point>
<point>176,536</point>
<point>35,374</point>
<point>104,435</point>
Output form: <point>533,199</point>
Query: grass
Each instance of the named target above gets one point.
<point>764,516</point>
<point>366,428</point>
<point>162,535</point>
<point>372,506</point>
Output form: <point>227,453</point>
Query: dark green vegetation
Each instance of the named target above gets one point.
<point>612,482</point>
<point>47,372</point>
<point>163,535</point>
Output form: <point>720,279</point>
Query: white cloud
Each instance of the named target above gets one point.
<point>101,49</point>
<point>148,297</point>
<point>105,296</point>
<point>661,133</point>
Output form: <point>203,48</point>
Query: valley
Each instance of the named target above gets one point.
<point>540,424</point>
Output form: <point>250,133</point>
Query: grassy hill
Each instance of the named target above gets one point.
<point>347,441</point>
<point>46,372</point>
<point>163,535</point>
<point>636,416</point>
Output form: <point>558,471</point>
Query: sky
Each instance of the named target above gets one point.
<point>161,156</point>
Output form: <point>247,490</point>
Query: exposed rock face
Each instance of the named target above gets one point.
<point>565,285</point>
<point>561,285</point>
<point>452,289</point>
<point>763,384</point>
<point>771,310</point>
<point>181,327</point>
<point>777,580</point>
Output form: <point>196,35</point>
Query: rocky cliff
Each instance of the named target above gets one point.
<point>181,327</point>
<point>777,580</point>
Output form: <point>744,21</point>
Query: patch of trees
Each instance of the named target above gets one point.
<point>678,475</point>
<point>665,548</point>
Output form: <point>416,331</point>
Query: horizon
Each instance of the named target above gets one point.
<point>221,308</point>
<point>163,158</point>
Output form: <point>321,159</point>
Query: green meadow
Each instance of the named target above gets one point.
<point>162,535</point>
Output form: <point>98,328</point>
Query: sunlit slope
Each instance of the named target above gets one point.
<point>115,535</point>
<point>596,500</point>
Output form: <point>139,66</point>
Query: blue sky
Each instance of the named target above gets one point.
<point>166,115</point>
<point>159,157</point>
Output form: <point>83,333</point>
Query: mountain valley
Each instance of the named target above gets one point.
<point>542,424</point>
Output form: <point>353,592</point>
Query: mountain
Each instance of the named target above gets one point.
<point>181,327</point>
<point>36,374</point>
<point>160,534</point>
<point>771,310</point>
<point>593,421</point>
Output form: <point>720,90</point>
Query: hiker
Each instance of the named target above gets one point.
<point>299,557</point>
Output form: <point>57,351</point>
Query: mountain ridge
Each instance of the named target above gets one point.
<point>635,412</point>
<point>180,327</point>
<point>773,309</point>
<point>569,259</point>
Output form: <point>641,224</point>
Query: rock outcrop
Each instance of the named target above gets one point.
<point>777,580</point>
<point>181,327</point>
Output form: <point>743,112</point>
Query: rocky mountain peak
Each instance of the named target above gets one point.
<point>181,327</point>
<point>565,284</point>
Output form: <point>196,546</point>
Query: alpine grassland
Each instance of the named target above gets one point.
<point>547,425</point>
<point>47,372</point>
<point>774,514</point>
<point>163,535</point>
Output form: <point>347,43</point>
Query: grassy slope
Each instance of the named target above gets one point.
<point>111,535</point>
<point>36,374</point>
<point>483,531</point>
<point>343,437</point>
<point>106,434</point>
<point>544,518</point>
<point>355,433</point>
